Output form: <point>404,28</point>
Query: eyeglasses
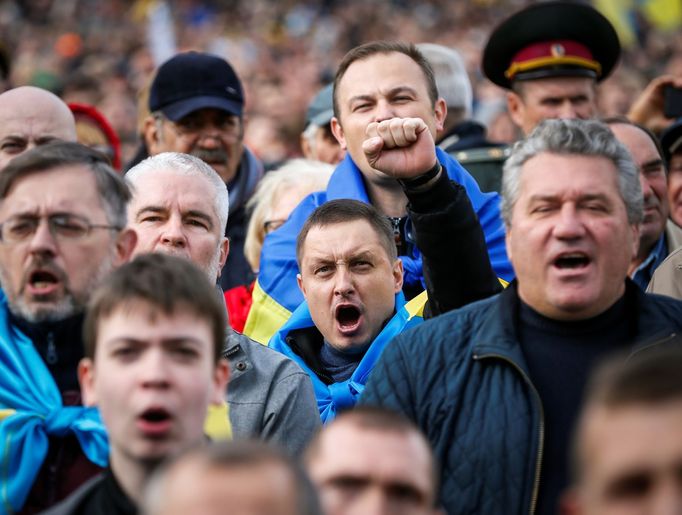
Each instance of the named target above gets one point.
<point>62,226</point>
<point>193,125</point>
<point>271,225</point>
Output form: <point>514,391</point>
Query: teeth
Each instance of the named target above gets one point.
<point>42,284</point>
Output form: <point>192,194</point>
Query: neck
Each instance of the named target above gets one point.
<point>132,475</point>
<point>645,248</point>
<point>388,198</point>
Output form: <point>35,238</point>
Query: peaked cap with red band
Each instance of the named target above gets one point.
<point>551,39</point>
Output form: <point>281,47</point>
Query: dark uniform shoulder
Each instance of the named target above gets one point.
<point>485,165</point>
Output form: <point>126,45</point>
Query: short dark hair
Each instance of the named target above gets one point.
<point>112,189</point>
<point>347,210</point>
<point>649,378</point>
<point>237,454</point>
<point>385,47</point>
<point>167,283</point>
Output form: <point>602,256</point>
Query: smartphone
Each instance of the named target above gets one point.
<point>672,102</point>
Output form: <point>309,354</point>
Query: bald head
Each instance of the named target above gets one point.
<point>29,117</point>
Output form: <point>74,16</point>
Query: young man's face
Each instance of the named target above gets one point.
<point>153,377</point>
<point>631,461</point>
<point>365,471</point>
<point>349,282</point>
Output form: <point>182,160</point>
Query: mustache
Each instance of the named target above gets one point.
<point>47,265</point>
<point>214,155</point>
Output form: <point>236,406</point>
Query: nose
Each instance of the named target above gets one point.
<point>646,187</point>
<point>568,225</point>
<point>373,501</point>
<point>568,110</point>
<point>383,111</point>
<point>43,241</point>
<point>173,233</point>
<point>343,281</point>
<point>667,498</point>
<point>154,369</point>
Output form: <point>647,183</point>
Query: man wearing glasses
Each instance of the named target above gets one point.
<point>62,219</point>
<point>196,102</point>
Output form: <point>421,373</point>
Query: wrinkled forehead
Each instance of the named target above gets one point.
<point>71,188</point>
<point>173,188</point>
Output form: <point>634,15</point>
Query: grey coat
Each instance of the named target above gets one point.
<point>270,396</point>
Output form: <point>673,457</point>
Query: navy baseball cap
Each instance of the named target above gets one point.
<point>191,81</point>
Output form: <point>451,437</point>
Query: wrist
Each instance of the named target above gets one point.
<point>424,181</point>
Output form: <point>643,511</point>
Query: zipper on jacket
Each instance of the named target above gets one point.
<point>51,354</point>
<point>541,429</point>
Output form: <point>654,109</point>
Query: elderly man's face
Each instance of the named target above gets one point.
<point>653,180</point>
<point>30,117</point>
<point>176,214</point>
<point>349,282</point>
<point>49,274</point>
<point>570,241</point>
<point>630,461</point>
<point>675,188</point>
<point>363,471</point>
<point>212,135</point>
<point>543,99</point>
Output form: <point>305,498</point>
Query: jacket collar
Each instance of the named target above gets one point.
<point>499,333</point>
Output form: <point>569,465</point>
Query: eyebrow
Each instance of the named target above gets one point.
<point>581,198</point>
<point>655,163</point>
<point>165,342</point>
<point>391,93</point>
<point>163,211</point>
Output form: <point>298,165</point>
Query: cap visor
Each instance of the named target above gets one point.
<point>182,108</point>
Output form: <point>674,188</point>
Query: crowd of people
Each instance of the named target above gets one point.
<point>464,297</point>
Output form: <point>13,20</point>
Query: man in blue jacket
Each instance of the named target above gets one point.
<point>385,98</point>
<point>497,386</point>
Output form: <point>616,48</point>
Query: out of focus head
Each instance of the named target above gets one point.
<point>94,130</point>
<point>349,272</point>
<point>370,461</point>
<point>62,229</point>
<point>29,117</point>
<point>276,196</point>
<point>648,157</point>
<point>196,102</point>
<point>452,80</point>
<point>550,55</point>
<point>671,141</point>
<point>245,477</point>
<point>572,205</point>
<point>153,337</point>
<point>180,207</point>
<point>317,140</point>
<point>628,446</point>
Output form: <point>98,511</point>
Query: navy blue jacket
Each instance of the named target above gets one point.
<point>463,379</point>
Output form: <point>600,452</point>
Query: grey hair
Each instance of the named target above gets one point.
<point>573,137</point>
<point>451,75</point>
<point>296,176</point>
<point>235,455</point>
<point>113,191</point>
<point>185,164</point>
<point>309,134</point>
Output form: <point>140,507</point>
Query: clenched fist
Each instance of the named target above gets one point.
<point>402,148</point>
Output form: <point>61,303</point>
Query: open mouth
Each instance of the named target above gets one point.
<point>572,261</point>
<point>348,317</point>
<point>42,282</point>
<point>155,415</point>
<point>155,422</point>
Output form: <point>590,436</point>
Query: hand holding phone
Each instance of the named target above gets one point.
<point>672,102</point>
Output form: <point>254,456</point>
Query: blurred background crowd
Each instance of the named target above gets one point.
<point>104,53</point>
